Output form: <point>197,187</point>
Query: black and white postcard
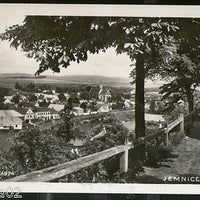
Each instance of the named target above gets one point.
<point>100,94</point>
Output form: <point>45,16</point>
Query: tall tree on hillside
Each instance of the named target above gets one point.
<point>181,68</point>
<point>56,42</point>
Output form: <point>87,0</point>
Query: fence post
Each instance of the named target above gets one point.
<point>182,124</point>
<point>166,136</point>
<point>124,159</point>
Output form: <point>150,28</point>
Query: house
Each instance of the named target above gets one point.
<point>27,113</point>
<point>10,119</point>
<point>57,107</point>
<point>129,104</point>
<point>46,113</point>
<point>154,118</point>
<point>39,113</point>
<point>7,101</point>
<point>8,97</point>
<point>66,95</point>
<point>104,95</point>
<point>37,104</point>
<point>102,107</point>
<point>54,114</point>
<point>77,111</point>
<point>10,123</point>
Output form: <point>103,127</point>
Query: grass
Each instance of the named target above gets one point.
<point>4,139</point>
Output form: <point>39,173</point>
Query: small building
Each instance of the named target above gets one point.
<point>46,113</point>
<point>10,123</point>
<point>103,107</point>
<point>27,113</point>
<point>77,111</point>
<point>7,101</point>
<point>54,114</point>
<point>10,119</point>
<point>129,104</point>
<point>154,118</point>
<point>57,107</point>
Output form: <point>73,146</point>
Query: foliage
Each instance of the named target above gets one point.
<point>84,95</point>
<point>62,97</point>
<point>181,67</point>
<point>16,99</point>
<point>84,106</point>
<point>17,86</point>
<point>43,103</point>
<point>66,131</point>
<point>3,92</point>
<point>34,149</point>
<point>32,98</point>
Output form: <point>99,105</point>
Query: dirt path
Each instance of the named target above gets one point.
<point>186,163</point>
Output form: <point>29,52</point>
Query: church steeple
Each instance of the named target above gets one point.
<point>101,86</point>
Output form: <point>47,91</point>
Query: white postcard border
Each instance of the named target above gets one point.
<point>102,10</point>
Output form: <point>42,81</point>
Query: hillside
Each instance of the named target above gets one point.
<point>9,80</point>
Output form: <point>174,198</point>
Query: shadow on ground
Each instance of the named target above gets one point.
<point>193,130</point>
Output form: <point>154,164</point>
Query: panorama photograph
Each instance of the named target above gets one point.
<point>99,99</point>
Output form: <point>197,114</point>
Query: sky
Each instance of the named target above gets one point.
<point>15,61</point>
<point>104,64</point>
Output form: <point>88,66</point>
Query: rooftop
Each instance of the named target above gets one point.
<point>9,114</point>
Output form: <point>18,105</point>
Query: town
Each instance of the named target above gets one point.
<point>31,105</point>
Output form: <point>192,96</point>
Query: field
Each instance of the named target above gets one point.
<point>9,80</point>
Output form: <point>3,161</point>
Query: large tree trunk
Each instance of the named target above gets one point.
<point>139,97</point>
<point>190,98</point>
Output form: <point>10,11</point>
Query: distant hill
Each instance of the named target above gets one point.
<point>95,80</point>
<point>9,79</point>
<point>11,75</point>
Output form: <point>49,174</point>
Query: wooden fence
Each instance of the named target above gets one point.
<point>61,170</point>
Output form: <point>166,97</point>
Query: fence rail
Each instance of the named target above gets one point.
<point>61,170</point>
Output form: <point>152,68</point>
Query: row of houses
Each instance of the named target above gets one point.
<point>14,118</point>
<point>39,113</point>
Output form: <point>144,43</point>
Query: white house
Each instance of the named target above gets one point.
<point>39,113</point>
<point>66,95</point>
<point>154,117</point>
<point>8,97</point>
<point>129,104</point>
<point>46,113</point>
<point>104,108</point>
<point>10,123</point>
<point>77,111</point>
<point>29,115</point>
<point>57,107</point>
<point>10,119</point>
<point>8,101</point>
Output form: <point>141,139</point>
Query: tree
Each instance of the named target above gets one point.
<point>84,106</point>
<point>66,129</point>
<point>16,99</point>
<point>55,42</point>
<point>43,103</point>
<point>3,92</point>
<point>182,68</point>
<point>17,86</point>
<point>84,95</point>
<point>62,97</point>
<point>32,98</point>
